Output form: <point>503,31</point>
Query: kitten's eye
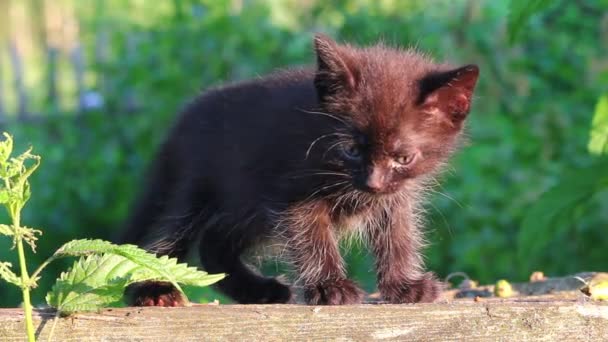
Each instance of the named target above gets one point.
<point>406,160</point>
<point>352,151</point>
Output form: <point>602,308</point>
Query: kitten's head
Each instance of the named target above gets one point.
<point>403,112</point>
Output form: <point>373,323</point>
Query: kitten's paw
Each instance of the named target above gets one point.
<point>335,292</point>
<point>423,290</point>
<point>153,293</point>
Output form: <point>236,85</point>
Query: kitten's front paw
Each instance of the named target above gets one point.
<point>334,292</point>
<point>424,290</point>
<point>153,293</point>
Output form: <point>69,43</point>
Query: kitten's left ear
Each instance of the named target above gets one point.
<point>449,93</point>
<point>336,68</point>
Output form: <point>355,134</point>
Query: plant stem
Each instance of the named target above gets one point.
<point>42,266</point>
<point>25,279</point>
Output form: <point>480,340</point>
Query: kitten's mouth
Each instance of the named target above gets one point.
<point>375,191</point>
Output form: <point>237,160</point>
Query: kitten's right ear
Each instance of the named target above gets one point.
<point>335,67</point>
<point>449,93</point>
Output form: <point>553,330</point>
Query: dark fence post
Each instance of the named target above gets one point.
<point>17,65</point>
<point>2,112</point>
<point>78,64</point>
<point>52,55</point>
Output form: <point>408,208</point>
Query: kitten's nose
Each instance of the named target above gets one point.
<point>375,180</point>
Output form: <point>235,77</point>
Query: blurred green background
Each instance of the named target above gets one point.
<point>94,85</point>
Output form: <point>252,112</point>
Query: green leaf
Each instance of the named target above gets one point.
<point>131,252</point>
<point>89,285</point>
<point>157,266</point>
<point>6,147</point>
<point>4,196</point>
<point>183,274</point>
<point>6,230</point>
<point>99,280</point>
<point>7,274</point>
<point>598,141</point>
<point>541,221</point>
<point>520,12</point>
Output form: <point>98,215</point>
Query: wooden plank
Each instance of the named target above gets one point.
<point>464,320</point>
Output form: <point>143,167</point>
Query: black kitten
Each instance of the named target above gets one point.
<point>306,156</point>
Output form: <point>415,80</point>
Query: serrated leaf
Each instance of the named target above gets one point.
<point>520,11</point>
<point>99,280</point>
<point>89,285</point>
<point>541,220</point>
<point>598,140</point>
<point>131,252</point>
<point>7,274</point>
<point>183,274</point>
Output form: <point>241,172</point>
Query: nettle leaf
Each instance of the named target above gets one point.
<point>598,141</point>
<point>91,283</point>
<point>98,281</point>
<point>543,218</point>
<point>131,252</point>
<point>7,274</point>
<point>520,11</point>
<point>183,274</point>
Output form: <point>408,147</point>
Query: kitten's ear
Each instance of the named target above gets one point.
<point>336,68</point>
<point>449,93</point>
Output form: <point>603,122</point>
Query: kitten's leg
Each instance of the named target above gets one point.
<point>220,252</point>
<point>168,232</point>
<point>316,257</point>
<point>174,243</point>
<point>396,242</point>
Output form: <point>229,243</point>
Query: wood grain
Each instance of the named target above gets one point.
<point>486,320</point>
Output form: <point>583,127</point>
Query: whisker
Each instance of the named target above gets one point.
<point>322,174</point>
<point>325,188</point>
<point>325,114</point>
<point>317,140</point>
<point>338,143</point>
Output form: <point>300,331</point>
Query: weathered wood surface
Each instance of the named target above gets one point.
<point>486,320</point>
<point>551,310</point>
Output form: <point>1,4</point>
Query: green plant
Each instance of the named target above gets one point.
<point>14,193</point>
<point>566,202</point>
<point>100,276</point>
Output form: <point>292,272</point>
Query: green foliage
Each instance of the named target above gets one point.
<point>99,280</point>
<point>146,266</point>
<point>598,142</point>
<point>520,12</point>
<point>554,211</point>
<point>15,190</point>
<point>7,275</point>
<point>92,283</point>
<point>14,194</point>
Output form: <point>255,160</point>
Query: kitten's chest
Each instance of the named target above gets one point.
<point>351,214</point>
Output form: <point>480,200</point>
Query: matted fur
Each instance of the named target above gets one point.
<point>307,157</point>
